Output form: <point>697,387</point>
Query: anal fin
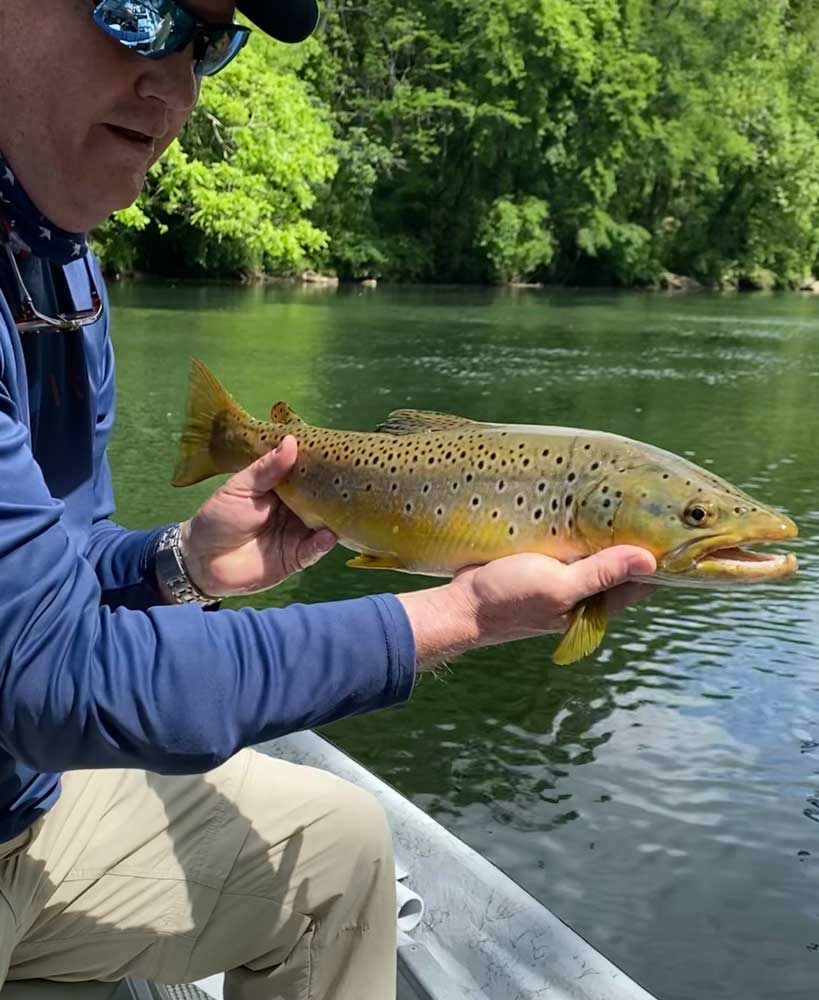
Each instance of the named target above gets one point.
<point>585,633</point>
<point>375,562</point>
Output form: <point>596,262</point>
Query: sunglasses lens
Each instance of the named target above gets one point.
<point>219,48</point>
<point>148,28</point>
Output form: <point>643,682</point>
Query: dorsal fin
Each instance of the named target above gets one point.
<point>281,413</point>
<point>422,422</point>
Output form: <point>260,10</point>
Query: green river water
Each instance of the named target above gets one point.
<point>663,797</point>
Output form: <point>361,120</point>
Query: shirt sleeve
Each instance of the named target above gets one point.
<point>171,689</point>
<point>123,559</point>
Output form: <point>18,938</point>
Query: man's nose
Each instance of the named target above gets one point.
<point>171,80</point>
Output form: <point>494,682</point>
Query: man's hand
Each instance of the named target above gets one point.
<point>517,597</point>
<point>244,539</point>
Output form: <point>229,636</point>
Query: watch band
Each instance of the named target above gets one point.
<point>171,570</point>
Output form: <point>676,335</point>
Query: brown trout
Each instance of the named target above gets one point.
<point>431,493</point>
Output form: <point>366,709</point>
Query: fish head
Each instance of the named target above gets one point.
<point>701,529</point>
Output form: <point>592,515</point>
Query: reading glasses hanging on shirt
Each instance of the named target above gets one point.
<point>27,317</point>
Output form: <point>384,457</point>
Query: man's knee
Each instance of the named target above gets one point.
<point>335,815</point>
<point>358,822</point>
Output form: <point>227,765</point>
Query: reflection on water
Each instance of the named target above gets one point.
<point>663,798</point>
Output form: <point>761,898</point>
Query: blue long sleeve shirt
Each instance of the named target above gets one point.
<point>94,672</point>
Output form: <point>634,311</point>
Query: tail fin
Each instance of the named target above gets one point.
<point>210,407</point>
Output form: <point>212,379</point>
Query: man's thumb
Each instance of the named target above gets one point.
<point>608,568</point>
<point>267,472</point>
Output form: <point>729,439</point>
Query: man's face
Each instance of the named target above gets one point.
<point>82,117</point>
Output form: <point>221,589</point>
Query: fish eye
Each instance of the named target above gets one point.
<point>696,515</point>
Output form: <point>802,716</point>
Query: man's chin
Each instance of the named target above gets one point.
<point>101,203</point>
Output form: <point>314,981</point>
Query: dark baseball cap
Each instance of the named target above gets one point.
<point>285,20</point>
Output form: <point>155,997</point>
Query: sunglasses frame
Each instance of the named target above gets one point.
<point>29,318</point>
<point>199,31</point>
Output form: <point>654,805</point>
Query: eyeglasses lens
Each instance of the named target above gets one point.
<point>220,48</point>
<point>150,29</point>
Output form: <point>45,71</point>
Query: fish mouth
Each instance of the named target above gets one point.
<point>733,560</point>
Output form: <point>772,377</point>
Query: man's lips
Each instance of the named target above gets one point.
<point>139,139</point>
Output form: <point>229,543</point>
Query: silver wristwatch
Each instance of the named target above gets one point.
<point>171,570</point>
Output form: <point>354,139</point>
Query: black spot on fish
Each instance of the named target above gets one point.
<point>469,477</point>
<point>569,500</point>
<point>495,514</point>
<point>519,500</point>
<point>538,514</point>
<point>541,487</point>
<point>607,503</point>
<point>394,487</point>
<point>571,477</point>
<point>554,530</point>
<point>559,459</point>
<point>476,501</point>
<point>501,486</point>
<point>426,488</point>
<point>586,447</point>
<point>439,511</point>
<point>595,466</point>
<point>408,508</point>
<point>554,504</point>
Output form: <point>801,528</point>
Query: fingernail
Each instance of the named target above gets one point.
<point>640,566</point>
<point>323,542</point>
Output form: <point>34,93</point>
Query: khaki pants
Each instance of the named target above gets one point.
<point>281,876</point>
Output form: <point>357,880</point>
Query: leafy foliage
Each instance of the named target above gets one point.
<point>592,141</point>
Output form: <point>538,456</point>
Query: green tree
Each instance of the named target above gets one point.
<point>235,192</point>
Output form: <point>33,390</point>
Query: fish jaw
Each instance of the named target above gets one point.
<point>731,559</point>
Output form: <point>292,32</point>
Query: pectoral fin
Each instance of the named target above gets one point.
<point>375,562</point>
<point>584,635</point>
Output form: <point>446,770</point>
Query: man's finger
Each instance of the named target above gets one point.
<point>607,569</point>
<point>624,596</point>
<point>315,547</point>
<point>267,472</point>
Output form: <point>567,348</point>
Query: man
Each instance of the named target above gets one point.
<point>166,849</point>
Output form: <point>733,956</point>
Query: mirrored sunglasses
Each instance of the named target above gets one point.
<point>160,28</point>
